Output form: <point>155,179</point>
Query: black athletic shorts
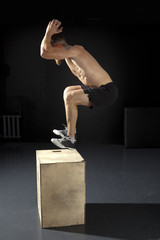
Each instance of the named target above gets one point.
<point>104,95</point>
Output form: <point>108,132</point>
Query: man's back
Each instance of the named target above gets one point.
<point>84,66</point>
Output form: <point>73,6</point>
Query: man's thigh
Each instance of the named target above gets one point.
<point>71,88</point>
<point>80,98</point>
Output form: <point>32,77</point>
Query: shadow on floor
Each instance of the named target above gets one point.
<point>124,221</point>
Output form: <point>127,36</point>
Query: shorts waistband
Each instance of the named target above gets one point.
<point>110,83</point>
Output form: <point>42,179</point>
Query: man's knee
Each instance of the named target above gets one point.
<point>68,96</point>
<point>66,91</point>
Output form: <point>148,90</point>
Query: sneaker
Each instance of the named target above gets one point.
<point>62,133</point>
<point>63,143</point>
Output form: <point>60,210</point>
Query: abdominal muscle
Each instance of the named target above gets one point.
<point>95,81</point>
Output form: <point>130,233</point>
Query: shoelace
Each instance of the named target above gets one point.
<point>65,127</point>
<point>65,139</point>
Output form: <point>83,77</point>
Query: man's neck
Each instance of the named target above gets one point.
<point>60,45</point>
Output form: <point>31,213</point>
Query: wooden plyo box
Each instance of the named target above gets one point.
<point>61,187</point>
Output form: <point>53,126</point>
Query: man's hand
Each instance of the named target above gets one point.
<point>54,27</point>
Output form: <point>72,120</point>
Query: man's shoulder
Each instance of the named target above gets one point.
<point>74,50</point>
<point>77,49</point>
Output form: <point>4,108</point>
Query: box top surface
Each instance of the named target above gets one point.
<point>58,156</point>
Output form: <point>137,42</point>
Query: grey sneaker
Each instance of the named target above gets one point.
<point>63,133</point>
<point>63,143</point>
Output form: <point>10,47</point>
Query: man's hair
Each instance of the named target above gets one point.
<point>55,38</point>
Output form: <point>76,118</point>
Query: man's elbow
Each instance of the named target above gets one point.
<point>46,54</point>
<point>43,53</point>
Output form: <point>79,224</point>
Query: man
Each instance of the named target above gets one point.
<point>97,88</point>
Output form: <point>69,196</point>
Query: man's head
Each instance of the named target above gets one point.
<point>58,40</point>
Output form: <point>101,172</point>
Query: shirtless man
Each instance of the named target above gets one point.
<point>97,87</point>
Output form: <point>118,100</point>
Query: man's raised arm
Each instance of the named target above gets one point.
<point>48,51</point>
<point>52,28</point>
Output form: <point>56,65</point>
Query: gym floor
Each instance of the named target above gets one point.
<point>122,202</point>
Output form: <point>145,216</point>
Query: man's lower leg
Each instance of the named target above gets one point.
<point>71,118</point>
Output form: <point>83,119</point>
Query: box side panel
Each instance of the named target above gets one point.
<point>38,166</point>
<point>63,194</point>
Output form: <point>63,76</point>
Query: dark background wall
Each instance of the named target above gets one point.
<point>124,41</point>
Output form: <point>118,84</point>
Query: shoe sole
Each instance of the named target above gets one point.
<point>58,144</point>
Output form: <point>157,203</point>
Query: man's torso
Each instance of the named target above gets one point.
<point>88,70</point>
